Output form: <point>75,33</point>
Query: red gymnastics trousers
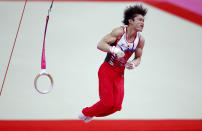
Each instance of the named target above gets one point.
<point>111,92</point>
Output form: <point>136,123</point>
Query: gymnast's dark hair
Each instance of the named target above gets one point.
<point>132,11</point>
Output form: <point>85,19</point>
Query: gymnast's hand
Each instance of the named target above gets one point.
<point>132,64</point>
<point>116,51</point>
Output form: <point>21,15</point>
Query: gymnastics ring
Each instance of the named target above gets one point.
<point>43,73</point>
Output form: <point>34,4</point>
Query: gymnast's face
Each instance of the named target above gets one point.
<point>137,23</point>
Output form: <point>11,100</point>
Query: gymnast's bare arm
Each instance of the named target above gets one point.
<point>138,52</point>
<point>106,41</point>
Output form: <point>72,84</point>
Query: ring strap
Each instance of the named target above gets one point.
<point>43,58</point>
